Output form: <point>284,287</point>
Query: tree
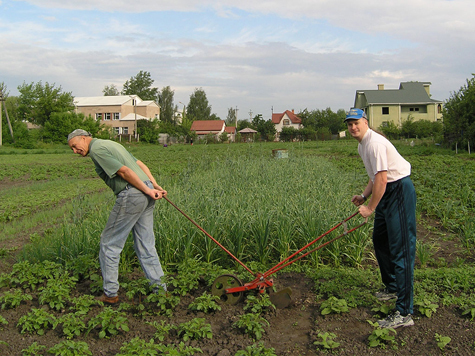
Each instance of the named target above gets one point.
<point>390,130</point>
<point>318,119</point>
<point>288,134</point>
<point>459,115</point>
<point>60,124</point>
<point>38,102</point>
<point>165,100</point>
<point>198,108</point>
<point>148,130</point>
<point>110,90</point>
<point>265,128</point>
<point>232,117</point>
<point>141,85</point>
<point>242,124</point>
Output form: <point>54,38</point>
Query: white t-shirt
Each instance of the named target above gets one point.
<point>378,154</point>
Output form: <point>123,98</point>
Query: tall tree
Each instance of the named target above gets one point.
<point>58,127</point>
<point>141,85</point>
<point>38,102</point>
<point>167,108</point>
<point>265,128</point>
<point>110,90</point>
<point>459,115</point>
<point>232,117</point>
<point>198,108</point>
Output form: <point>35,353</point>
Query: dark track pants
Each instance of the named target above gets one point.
<point>394,239</point>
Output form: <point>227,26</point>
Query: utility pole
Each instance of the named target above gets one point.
<point>2,100</point>
<point>235,116</point>
<point>250,115</point>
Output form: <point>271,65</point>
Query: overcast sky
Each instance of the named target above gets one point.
<point>251,54</point>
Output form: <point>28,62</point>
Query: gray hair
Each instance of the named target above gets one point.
<point>78,132</point>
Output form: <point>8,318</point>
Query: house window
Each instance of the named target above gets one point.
<point>125,130</point>
<point>99,116</point>
<point>439,109</point>
<point>413,109</point>
<point>107,116</point>
<point>117,130</point>
<point>385,110</point>
<point>286,122</point>
<point>116,116</point>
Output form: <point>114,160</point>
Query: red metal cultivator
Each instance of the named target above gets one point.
<point>231,290</point>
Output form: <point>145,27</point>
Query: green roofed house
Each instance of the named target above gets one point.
<point>411,100</point>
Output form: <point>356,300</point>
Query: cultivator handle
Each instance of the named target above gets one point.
<point>288,261</point>
<point>211,237</point>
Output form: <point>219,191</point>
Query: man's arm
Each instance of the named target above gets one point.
<point>377,192</point>
<point>131,177</point>
<point>144,168</point>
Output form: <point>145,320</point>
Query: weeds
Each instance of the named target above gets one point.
<point>327,341</point>
<point>258,304</point>
<point>381,337</point>
<point>36,321</point>
<point>70,348</point>
<point>426,307</point>
<point>72,324</point>
<point>33,350</point>
<point>12,299</point>
<point>442,341</point>
<point>195,329</point>
<point>256,350</point>
<point>334,305</point>
<point>205,303</point>
<point>162,329</point>
<point>252,325</point>
<point>111,322</point>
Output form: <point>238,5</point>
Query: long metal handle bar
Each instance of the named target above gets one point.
<point>286,261</point>
<point>211,237</point>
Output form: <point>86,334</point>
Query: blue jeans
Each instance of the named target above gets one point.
<point>394,240</point>
<point>133,211</point>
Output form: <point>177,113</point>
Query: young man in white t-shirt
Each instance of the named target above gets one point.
<point>392,199</point>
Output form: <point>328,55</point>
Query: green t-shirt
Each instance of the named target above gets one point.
<point>108,157</point>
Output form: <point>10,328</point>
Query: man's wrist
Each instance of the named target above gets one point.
<point>364,198</point>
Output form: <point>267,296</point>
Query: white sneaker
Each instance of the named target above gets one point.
<point>395,320</point>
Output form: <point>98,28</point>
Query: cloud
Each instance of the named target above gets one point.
<point>253,55</point>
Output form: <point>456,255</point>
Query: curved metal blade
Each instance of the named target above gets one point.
<point>281,299</point>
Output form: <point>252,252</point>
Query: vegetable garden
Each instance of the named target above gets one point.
<point>262,209</point>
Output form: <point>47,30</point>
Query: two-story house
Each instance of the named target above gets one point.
<point>120,112</point>
<point>411,100</point>
<point>286,119</point>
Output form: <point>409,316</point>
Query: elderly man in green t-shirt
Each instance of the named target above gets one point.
<point>136,191</point>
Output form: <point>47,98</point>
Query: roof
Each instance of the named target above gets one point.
<point>207,125</point>
<point>112,100</point>
<point>146,103</point>
<point>247,130</point>
<point>131,117</point>
<point>230,129</point>
<point>408,93</point>
<point>294,119</point>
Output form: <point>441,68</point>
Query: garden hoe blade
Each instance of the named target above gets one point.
<point>281,299</point>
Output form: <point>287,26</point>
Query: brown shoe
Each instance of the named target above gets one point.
<point>108,300</point>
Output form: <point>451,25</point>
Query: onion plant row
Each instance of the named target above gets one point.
<point>260,208</point>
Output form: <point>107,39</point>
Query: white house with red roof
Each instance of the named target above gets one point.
<point>286,119</point>
<point>206,127</point>
<point>231,131</point>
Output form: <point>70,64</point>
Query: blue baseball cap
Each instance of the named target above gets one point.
<point>355,114</point>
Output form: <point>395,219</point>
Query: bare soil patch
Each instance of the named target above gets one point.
<point>291,331</point>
